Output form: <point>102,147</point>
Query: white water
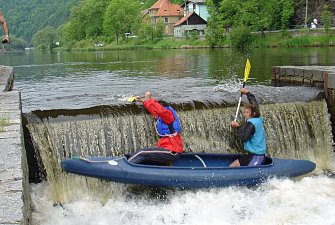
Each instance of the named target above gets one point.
<point>310,200</point>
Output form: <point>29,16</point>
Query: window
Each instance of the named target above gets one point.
<point>166,19</point>
<point>194,7</point>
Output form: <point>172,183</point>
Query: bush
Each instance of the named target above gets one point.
<point>240,37</point>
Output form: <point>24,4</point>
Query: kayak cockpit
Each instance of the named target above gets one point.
<point>203,160</point>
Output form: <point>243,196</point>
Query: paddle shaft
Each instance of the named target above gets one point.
<point>239,104</point>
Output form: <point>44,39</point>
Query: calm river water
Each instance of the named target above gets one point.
<point>60,80</point>
<point>63,80</point>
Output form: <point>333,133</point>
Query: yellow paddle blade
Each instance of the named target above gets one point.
<point>247,70</point>
<point>131,99</point>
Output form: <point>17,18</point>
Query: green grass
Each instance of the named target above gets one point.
<point>132,44</point>
<point>3,123</point>
<point>298,38</point>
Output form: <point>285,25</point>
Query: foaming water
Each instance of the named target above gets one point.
<point>310,200</point>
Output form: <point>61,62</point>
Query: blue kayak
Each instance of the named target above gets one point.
<point>190,171</point>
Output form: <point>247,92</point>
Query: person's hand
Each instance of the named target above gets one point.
<point>235,124</point>
<point>244,90</point>
<point>138,98</point>
<point>147,95</point>
<point>5,39</point>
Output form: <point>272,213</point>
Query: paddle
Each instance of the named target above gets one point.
<point>246,76</point>
<point>132,99</point>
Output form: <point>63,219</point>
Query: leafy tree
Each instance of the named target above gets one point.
<point>45,38</point>
<point>121,16</point>
<point>86,20</point>
<point>287,13</point>
<point>215,25</point>
<point>230,12</point>
<point>326,17</point>
<point>257,15</point>
<point>159,30</point>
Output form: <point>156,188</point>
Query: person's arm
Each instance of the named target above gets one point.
<point>156,109</point>
<point>252,99</point>
<point>5,28</point>
<point>246,131</point>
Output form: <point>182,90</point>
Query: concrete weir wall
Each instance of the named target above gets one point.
<point>14,182</point>
<point>318,76</point>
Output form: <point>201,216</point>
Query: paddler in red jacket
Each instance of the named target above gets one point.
<point>170,145</point>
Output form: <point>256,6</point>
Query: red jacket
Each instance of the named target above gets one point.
<point>175,143</point>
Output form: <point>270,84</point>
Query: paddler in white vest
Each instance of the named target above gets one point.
<point>252,133</point>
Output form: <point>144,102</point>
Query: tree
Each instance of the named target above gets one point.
<point>45,38</point>
<point>326,17</point>
<point>86,20</point>
<point>215,24</point>
<point>121,16</point>
<point>287,13</point>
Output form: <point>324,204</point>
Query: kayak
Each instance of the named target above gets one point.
<point>192,170</point>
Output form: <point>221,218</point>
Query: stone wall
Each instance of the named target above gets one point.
<point>15,203</point>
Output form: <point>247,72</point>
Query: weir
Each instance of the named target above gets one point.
<point>299,130</point>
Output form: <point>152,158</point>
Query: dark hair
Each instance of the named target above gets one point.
<point>163,103</point>
<point>254,110</point>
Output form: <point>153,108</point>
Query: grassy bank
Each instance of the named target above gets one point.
<point>132,44</point>
<point>299,38</point>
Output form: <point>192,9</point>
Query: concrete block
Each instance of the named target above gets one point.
<point>14,213</point>
<point>317,75</point>
<point>290,71</point>
<point>282,71</point>
<point>13,126</point>
<point>11,174</point>
<point>9,139</point>
<point>299,72</point>
<point>10,186</point>
<point>308,73</point>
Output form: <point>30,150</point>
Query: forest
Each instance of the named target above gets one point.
<point>44,22</point>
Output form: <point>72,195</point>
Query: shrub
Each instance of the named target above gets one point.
<point>240,37</point>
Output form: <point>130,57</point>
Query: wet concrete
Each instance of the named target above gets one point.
<point>14,184</point>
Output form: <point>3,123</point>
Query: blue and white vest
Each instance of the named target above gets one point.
<point>164,129</point>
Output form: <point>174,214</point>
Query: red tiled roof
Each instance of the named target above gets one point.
<point>159,4</point>
<point>165,8</point>
<point>182,20</point>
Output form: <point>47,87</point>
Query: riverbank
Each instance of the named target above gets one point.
<point>278,39</point>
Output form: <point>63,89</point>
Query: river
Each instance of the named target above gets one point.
<point>78,80</point>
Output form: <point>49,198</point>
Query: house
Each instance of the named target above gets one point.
<point>165,11</point>
<point>195,17</point>
<point>197,6</point>
<point>192,22</point>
